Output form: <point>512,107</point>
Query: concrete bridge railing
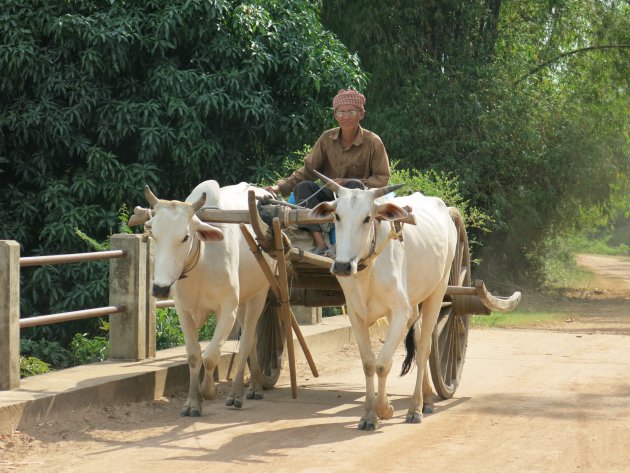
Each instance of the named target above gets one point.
<point>131,308</point>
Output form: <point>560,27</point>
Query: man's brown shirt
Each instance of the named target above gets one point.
<point>366,159</point>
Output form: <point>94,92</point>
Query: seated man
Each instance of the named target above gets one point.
<point>350,155</point>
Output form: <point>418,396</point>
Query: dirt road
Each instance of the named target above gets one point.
<point>611,272</point>
<point>529,401</point>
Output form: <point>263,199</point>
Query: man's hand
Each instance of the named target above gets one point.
<point>275,189</point>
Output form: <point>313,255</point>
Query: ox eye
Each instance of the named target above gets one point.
<point>185,239</point>
<point>366,219</point>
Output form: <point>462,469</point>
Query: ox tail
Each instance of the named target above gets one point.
<point>410,345</point>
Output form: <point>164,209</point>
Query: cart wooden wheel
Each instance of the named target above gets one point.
<point>271,340</point>
<point>450,335</point>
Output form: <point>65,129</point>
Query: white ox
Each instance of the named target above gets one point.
<point>392,284</point>
<point>209,269</point>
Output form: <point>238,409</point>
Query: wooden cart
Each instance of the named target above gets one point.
<point>312,285</point>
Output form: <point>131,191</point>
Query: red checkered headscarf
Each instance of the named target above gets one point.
<point>349,97</point>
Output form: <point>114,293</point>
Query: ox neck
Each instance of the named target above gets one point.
<point>367,259</point>
<point>193,257</point>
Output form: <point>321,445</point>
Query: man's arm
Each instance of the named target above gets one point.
<point>380,166</point>
<point>314,160</point>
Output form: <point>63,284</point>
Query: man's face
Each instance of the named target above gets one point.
<point>348,116</point>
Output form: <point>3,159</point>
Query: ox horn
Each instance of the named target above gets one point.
<point>199,202</point>
<point>332,185</point>
<point>150,196</point>
<point>385,190</point>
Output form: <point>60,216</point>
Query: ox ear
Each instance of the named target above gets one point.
<point>140,216</point>
<point>389,211</point>
<point>323,209</point>
<point>206,232</point>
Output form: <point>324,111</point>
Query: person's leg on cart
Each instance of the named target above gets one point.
<point>308,194</point>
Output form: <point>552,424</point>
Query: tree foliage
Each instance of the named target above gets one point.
<point>101,97</point>
<point>524,102</point>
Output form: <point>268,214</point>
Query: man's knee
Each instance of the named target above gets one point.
<point>305,187</point>
<point>353,184</point>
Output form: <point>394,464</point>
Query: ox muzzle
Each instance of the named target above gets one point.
<point>160,292</point>
<point>343,268</point>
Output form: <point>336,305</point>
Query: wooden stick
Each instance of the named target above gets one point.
<point>275,288</point>
<point>283,284</point>
<point>261,260</point>
<point>285,308</point>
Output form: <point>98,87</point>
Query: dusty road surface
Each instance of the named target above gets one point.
<point>528,401</point>
<point>611,272</point>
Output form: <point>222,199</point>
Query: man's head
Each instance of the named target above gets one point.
<point>349,108</point>
<point>349,97</point>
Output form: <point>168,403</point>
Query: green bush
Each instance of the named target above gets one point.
<point>86,349</point>
<point>446,187</point>
<point>207,331</point>
<point>51,352</point>
<point>30,366</point>
<point>169,333</point>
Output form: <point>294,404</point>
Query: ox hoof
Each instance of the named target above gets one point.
<point>234,402</point>
<point>365,424</point>
<point>188,412</point>
<point>413,418</point>
<point>255,395</point>
<point>427,409</point>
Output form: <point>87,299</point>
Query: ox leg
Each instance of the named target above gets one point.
<point>248,316</point>
<point>192,407</point>
<point>422,337</point>
<point>428,395</point>
<point>255,390</point>
<point>369,421</point>
<point>397,327</point>
<point>225,321</point>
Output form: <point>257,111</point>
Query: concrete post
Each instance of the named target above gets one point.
<point>9,314</point>
<point>307,315</point>
<point>151,331</point>
<point>128,286</point>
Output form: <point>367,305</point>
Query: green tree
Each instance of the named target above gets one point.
<point>101,97</point>
<point>525,102</point>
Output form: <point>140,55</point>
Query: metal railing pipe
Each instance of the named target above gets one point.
<point>69,316</point>
<point>71,258</point>
<point>164,303</point>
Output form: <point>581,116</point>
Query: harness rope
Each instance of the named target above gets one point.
<point>374,251</point>
<point>190,266</point>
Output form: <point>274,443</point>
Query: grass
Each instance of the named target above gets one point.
<point>516,319</point>
<point>581,244</point>
<point>543,307</point>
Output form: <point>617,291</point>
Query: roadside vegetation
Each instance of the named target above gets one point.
<point>563,276</point>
